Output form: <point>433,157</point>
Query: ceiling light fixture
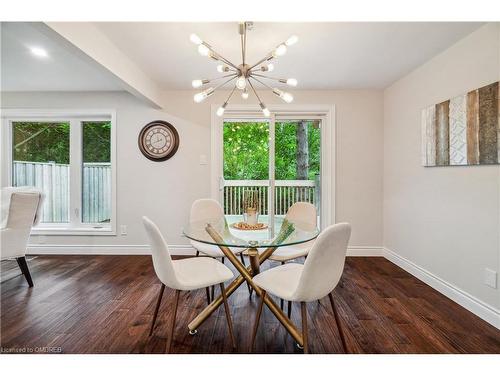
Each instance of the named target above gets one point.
<point>243,74</point>
<point>39,52</point>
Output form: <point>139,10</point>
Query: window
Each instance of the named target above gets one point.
<point>68,156</point>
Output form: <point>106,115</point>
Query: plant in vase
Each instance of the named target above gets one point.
<point>251,207</point>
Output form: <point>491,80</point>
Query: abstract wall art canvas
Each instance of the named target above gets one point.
<point>464,130</point>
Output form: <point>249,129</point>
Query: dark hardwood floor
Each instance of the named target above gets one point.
<point>104,304</point>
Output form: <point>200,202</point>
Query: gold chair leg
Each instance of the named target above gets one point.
<point>171,338</point>
<point>257,319</point>
<point>207,289</point>
<point>289,309</point>
<point>228,314</point>
<point>160,295</point>
<point>281,299</point>
<point>337,320</point>
<point>304,326</point>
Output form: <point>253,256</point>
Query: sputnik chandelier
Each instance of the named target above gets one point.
<point>244,74</point>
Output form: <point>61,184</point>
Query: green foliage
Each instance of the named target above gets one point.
<point>96,142</point>
<point>246,150</point>
<point>50,141</point>
<point>41,142</point>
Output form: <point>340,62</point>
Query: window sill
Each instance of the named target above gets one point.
<point>106,231</point>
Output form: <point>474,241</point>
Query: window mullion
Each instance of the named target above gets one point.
<point>75,193</point>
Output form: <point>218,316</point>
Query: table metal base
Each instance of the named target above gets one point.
<point>246,274</point>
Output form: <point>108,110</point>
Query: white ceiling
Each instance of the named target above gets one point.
<point>327,56</point>
<point>65,68</point>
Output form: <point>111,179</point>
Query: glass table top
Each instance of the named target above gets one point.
<point>285,233</point>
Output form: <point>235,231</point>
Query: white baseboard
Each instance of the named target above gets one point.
<point>464,299</point>
<point>365,251</point>
<point>354,251</point>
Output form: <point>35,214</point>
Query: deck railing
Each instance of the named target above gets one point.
<point>287,192</point>
<point>53,180</point>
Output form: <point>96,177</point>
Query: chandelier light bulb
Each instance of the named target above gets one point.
<point>221,68</point>
<point>265,111</point>
<point>291,82</point>
<point>195,39</point>
<point>201,96</point>
<point>279,51</point>
<point>203,50</point>
<point>241,83</point>
<point>292,40</point>
<point>221,109</point>
<point>287,97</point>
<point>244,94</point>
<point>197,83</point>
<point>267,68</point>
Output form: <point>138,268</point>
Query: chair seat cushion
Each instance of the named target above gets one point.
<point>213,250</point>
<point>286,253</point>
<point>280,281</point>
<point>200,272</point>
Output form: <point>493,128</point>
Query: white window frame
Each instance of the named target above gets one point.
<point>75,117</point>
<point>326,113</point>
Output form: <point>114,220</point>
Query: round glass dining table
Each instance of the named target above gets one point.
<point>260,245</point>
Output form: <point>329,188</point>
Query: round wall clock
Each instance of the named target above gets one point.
<point>158,140</point>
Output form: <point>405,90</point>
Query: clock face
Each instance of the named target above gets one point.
<point>158,140</point>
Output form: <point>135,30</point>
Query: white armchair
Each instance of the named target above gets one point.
<point>19,212</point>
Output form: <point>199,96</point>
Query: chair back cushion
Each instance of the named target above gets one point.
<point>203,209</point>
<point>162,261</point>
<point>5,198</point>
<point>324,264</point>
<point>16,229</point>
<point>303,213</point>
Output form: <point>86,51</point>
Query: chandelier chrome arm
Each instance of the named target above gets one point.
<point>289,81</point>
<point>285,96</point>
<point>218,56</point>
<point>267,58</point>
<point>262,83</point>
<point>223,83</point>
<point>272,78</point>
<point>255,92</point>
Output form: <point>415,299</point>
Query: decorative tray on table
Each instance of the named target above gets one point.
<point>245,226</point>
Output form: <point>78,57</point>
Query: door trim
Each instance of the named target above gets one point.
<point>328,146</point>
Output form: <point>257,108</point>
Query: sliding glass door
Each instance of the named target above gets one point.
<point>297,163</point>
<point>270,164</point>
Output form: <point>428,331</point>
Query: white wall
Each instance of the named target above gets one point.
<point>164,191</point>
<point>444,220</point>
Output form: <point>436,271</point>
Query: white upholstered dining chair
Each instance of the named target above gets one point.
<point>311,281</point>
<point>184,274</point>
<point>20,210</point>
<point>204,209</point>
<point>306,214</point>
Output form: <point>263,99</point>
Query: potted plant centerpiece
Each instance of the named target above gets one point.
<point>251,207</point>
